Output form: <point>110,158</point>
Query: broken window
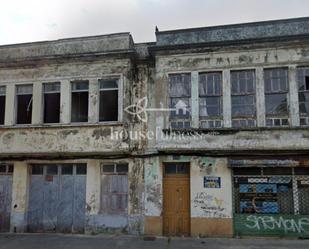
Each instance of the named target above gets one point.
<point>51,102</point>
<point>114,189</point>
<point>108,100</point>
<point>243,98</point>
<point>180,100</point>
<point>80,97</point>
<point>24,104</point>
<point>276,94</point>
<point>2,104</point>
<point>303,94</point>
<point>210,100</point>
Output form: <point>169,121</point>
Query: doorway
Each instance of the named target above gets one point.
<point>176,199</point>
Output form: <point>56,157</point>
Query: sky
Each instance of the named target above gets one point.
<point>39,20</point>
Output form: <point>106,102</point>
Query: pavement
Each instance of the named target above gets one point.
<point>60,241</point>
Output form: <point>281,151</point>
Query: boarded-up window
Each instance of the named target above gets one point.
<point>276,96</point>
<point>210,100</point>
<point>24,104</point>
<point>108,100</point>
<point>51,102</point>
<point>79,112</point>
<point>180,100</point>
<point>303,94</point>
<point>2,104</point>
<point>114,189</point>
<point>243,98</point>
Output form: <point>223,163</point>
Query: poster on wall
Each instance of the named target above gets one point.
<point>212,182</point>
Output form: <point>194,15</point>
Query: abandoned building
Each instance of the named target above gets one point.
<point>203,132</point>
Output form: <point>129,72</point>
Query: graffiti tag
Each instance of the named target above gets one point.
<point>294,225</point>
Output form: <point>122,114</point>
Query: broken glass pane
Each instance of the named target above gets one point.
<point>243,105</point>
<point>180,85</point>
<point>303,102</point>
<point>276,104</point>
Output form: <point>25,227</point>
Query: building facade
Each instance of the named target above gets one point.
<point>201,133</point>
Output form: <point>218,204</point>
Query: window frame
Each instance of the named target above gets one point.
<point>273,118</point>
<point>302,116</point>
<point>119,97</point>
<point>244,118</point>
<point>43,100</point>
<point>3,94</point>
<point>180,120</point>
<point>16,101</point>
<point>216,120</point>
<point>79,91</point>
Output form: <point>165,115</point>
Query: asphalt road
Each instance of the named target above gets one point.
<point>54,241</point>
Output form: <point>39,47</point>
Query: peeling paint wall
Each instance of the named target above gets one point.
<point>210,202</point>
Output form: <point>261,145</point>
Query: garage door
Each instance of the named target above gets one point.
<point>6,179</point>
<point>57,198</point>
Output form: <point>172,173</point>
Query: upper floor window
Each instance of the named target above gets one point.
<point>24,104</point>
<point>180,100</point>
<point>303,94</point>
<point>79,104</point>
<point>51,102</point>
<point>2,104</point>
<point>276,96</point>
<point>108,110</point>
<point>243,98</point>
<point>210,100</point>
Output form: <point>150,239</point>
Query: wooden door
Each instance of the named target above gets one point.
<point>176,200</point>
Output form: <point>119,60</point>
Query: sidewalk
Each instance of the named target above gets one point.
<point>59,241</point>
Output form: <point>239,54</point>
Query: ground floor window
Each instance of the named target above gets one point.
<point>114,189</point>
<point>271,190</point>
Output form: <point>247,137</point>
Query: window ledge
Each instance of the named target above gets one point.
<point>232,130</point>
<point>23,126</point>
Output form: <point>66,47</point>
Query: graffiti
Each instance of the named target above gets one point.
<point>210,205</point>
<point>286,224</point>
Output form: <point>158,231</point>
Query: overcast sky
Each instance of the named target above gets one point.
<point>37,20</point>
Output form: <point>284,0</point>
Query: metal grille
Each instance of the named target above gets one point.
<point>271,194</point>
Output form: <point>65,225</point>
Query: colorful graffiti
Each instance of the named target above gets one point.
<point>257,224</point>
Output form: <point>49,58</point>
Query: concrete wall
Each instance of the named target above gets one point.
<point>211,208</point>
<point>224,60</point>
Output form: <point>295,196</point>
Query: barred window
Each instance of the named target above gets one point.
<point>276,96</point>
<point>303,94</point>
<point>243,98</point>
<point>270,190</point>
<point>180,100</point>
<point>210,99</point>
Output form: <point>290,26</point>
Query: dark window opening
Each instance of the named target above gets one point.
<point>37,170</point>
<point>24,104</point>
<point>51,103</point>
<point>2,104</point>
<point>52,170</point>
<point>177,168</point>
<point>67,169</point>
<point>80,98</point>
<point>247,171</point>
<point>120,168</point>
<point>108,110</point>
<point>81,169</point>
